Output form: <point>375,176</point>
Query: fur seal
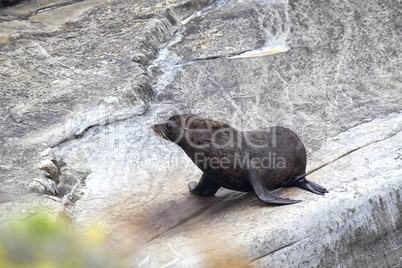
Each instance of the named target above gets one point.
<point>250,161</point>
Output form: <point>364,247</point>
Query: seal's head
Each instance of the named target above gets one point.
<point>192,131</point>
<point>173,129</point>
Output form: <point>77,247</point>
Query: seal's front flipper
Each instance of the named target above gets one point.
<point>204,187</point>
<point>262,192</point>
<point>310,186</point>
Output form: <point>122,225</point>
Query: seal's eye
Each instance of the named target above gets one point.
<point>168,126</point>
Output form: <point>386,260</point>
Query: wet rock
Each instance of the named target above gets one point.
<point>231,29</point>
<point>184,9</point>
<point>314,88</point>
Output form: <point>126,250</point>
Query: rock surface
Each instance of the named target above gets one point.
<point>81,91</point>
<point>60,79</point>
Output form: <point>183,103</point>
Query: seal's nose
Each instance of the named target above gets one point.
<point>156,127</point>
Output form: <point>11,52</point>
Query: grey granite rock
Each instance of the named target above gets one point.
<point>232,28</point>
<point>44,186</point>
<point>66,67</point>
<point>90,88</point>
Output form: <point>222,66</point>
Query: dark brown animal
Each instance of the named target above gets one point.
<point>251,161</point>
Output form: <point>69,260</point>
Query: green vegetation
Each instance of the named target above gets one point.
<point>39,241</point>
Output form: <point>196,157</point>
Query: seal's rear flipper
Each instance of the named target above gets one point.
<point>311,186</point>
<point>270,198</point>
<point>263,194</point>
